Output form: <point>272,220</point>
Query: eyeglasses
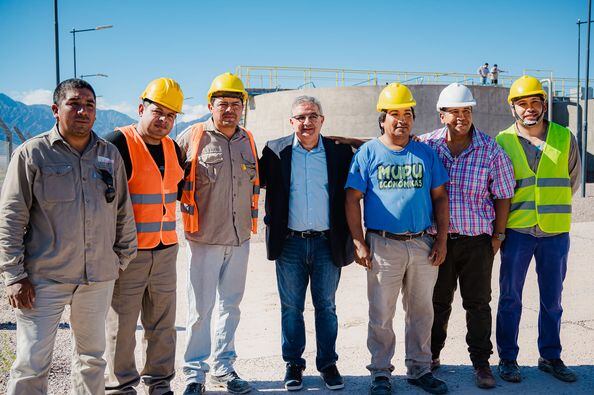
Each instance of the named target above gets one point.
<point>302,118</point>
<point>107,178</point>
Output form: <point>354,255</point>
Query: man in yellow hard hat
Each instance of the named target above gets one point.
<point>147,287</point>
<point>402,184</point>
<point>219,208</point>
<point>547,167</point>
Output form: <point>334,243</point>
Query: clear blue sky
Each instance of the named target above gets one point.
<point>193,41</point>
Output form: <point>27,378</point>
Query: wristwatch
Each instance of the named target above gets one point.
<point>499,236</point>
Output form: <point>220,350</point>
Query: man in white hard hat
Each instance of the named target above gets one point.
<point>480,188</point>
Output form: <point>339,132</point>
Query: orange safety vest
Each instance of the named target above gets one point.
<point>188,206</point>
<point>153,196</point>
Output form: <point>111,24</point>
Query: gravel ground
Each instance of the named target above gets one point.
<point>59,378</point>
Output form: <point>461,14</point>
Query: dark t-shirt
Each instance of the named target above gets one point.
<point>118,139</point>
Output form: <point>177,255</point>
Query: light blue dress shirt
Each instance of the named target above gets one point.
<point>309,202</point>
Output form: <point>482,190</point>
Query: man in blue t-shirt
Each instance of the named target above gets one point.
<point>401,183</point>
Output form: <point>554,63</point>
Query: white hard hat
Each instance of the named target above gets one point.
<point>455,95</point>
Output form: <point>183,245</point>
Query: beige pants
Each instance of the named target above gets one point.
<point>400,265</point>
<point>36,333</point>
<point>146,288</point>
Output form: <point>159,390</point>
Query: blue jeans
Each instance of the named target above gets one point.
<point>301,260</point>
<point>550,254</point>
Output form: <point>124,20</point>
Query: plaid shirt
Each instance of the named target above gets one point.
<point>481,173</point>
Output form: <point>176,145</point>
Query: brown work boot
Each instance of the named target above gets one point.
<point>484,377</point>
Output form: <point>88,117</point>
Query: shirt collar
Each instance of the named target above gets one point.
<point>209,126</point>
<point>317,148</point>
<point>55,136</point>
<point>478,138</point>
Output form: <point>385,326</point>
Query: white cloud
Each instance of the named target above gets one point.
<point>123,107</point>
<point>36,96</point>
<point>191,113</point>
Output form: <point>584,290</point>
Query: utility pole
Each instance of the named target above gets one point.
<point>57,42</point>
<point>585,134</point>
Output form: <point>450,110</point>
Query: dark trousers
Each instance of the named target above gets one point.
<point>469,260</point>
<point>550,254</point>
<point>303,260</point>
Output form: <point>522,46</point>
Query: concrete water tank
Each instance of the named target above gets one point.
<point>350,111</point>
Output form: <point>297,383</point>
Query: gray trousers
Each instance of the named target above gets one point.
<point>215,272</point>
<point>146,288</point>
<point>36,333</point>
<point>400,266</point>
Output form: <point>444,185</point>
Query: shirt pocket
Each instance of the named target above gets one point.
<point>58,183</point>
<point>475,181</point>
<point>248,165</point>
<point>209,166</point>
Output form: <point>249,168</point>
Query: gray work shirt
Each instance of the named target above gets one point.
<point>533,154</point>
<point>225,171</point>
<point>55,222</point>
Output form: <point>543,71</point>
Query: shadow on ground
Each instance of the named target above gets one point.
<point>460,380</point>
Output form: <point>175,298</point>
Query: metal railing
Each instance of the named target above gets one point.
<point>271,77</point>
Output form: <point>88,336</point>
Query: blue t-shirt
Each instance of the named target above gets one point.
<point>396,185</point>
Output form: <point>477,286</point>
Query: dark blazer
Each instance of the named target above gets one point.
<point>275,176</point>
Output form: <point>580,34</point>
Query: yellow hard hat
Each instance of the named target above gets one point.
<point>166,92</point>
<point>227,82</point>
<point>525,86</point>
<point>394,97</point>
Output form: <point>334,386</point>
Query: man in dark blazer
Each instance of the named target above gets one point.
<point>307,234</point>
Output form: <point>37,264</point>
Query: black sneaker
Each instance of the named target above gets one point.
<point>294,377</point>
<point>381,385</point>
<point>231,382</point>
<point>332,378</point>
<point>430,384</point>
<point>194,389</point>
<point>557,368</point>
<point>509,370</point>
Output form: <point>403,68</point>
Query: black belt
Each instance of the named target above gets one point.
<point>308,234</point>
<point>395,236</point>
<point>455,236</point>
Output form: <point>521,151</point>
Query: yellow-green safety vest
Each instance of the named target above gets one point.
<point>543,198</point>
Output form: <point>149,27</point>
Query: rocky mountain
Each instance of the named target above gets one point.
<point>37,118</point>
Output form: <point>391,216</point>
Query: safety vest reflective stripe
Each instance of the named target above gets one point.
<point>525,182</point>
<point>188,185</point>
<point>152,198</point>
<point>554,208</point>
<point>553,182</point>
<point>523,206</point>
<point>155,226</point>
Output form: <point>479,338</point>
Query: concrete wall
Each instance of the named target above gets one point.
<point>350,111</point>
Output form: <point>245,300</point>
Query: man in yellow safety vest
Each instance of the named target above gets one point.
<point>546,165</point>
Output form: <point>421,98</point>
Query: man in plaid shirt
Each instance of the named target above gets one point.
<point>480,188</point>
